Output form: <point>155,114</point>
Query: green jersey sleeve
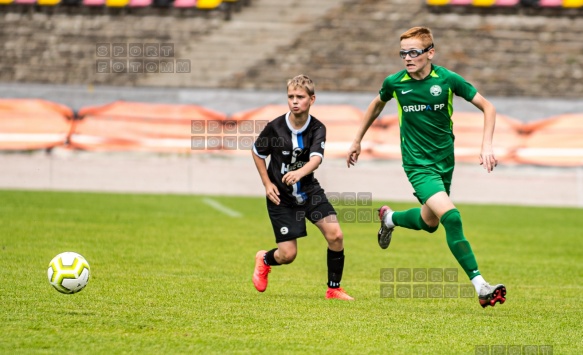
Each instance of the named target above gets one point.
<point>386,91</point>
<point>461,87</point>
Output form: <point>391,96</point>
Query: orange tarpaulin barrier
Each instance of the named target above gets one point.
<point>250,123</point>
<point>468,130</point>
<point>134,126</point>
<point>556,141</point>
<point>30,124</point>
<point>341,122</point>
<point>262,114</point>
<point>385,134</point>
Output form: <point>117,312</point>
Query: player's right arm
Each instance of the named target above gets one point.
<point>487,158</point>
<point>261,150</point>
<point>372,112</point>
<point>467,91</point>
<point>271,190</point>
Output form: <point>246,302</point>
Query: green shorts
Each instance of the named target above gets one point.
<point>427,180</point>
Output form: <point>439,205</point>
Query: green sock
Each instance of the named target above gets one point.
<point>411,219</point>
<point>458,244</point>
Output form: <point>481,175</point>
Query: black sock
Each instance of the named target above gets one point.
<point>269,258</point>
<point>335,267</point>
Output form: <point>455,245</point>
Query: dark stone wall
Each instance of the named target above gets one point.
<point>524,52</point>
<point>62,48</point>
<point>353,48</point>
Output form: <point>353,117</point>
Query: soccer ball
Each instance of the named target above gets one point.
<point>68,272</point>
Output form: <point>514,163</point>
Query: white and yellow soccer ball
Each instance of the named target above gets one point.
<point>68,272</point>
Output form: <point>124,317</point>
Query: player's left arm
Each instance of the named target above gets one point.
<point>294,176</point>
<point>487,158</point>
<point>316,156</point>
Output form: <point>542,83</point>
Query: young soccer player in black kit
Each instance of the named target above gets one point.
<point>296,141</point>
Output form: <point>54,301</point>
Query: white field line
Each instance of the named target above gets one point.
<point>221,208</point>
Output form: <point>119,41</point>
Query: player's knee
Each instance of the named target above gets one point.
<point>287,256</point>
<point>431,229</point>
<point>429,226</point>
<point>335,238</point>
<point>451,219</point>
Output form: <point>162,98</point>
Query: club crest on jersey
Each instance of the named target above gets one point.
<point>435,90</point>
<point>296,153</point>
<point>322,145</point>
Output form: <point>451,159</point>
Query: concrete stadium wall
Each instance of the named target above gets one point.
<point>354,47</point>
<point>350,47</point>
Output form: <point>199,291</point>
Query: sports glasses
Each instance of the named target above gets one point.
<point>414,53</point>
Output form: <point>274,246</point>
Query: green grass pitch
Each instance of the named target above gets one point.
<point>171,274</point>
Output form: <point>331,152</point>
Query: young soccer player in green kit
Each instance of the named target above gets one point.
<point>424,95</point>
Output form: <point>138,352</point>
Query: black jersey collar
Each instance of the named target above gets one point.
<point>296,131</point>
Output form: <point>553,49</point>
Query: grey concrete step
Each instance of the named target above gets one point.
<point>252,34</point>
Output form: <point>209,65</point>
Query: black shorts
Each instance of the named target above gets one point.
<point>289,221</point>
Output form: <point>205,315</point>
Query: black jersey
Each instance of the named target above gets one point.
<point>290,149</point>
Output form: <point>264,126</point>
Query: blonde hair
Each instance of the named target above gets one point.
<point>422,33</point>
<point>304,82</point>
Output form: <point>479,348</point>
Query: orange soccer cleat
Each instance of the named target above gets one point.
<point>261,272</point>
<point>338,293</point>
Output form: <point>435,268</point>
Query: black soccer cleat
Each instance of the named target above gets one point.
<point>385,233</point>
<point>490,295</point>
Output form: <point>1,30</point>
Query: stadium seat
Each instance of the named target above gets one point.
<point>25,2</point>
<point>184,4</point>
<point>212,5</point>
<point>437,2</point>
<point>71,2</point>
<point>208,4</point>
<point>483,3</point>
<point>460,2</point>
<point>507,3</point>
<point>116,3</point>
<point>162,3</point>
<point>551,3</point>
<point>6,2</point>
<point>572,3</point>
<point>48,2</point>
<point>140,3</point>
<point>93,2</point>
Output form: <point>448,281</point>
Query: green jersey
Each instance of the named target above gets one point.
<point>425,110</point>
